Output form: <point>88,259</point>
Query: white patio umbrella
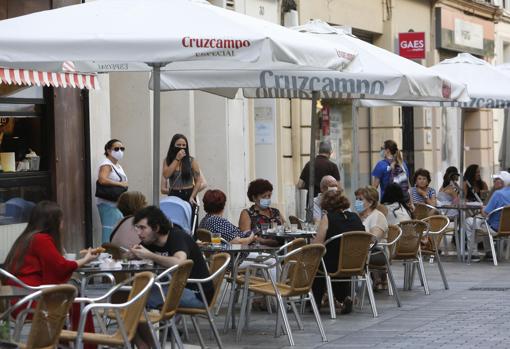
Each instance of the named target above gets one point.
<point>373,73</point>
<point>118,35</point>
<point>487,86</point>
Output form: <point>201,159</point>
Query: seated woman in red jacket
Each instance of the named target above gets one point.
<point>36,256</point>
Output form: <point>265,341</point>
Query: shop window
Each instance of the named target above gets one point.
<point>24,152</point>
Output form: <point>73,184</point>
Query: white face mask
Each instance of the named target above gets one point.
<point>118,154</point>
<point>332,188</point>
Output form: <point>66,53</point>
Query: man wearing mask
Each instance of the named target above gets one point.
<point>323,167</point>
<point>500,198</point>
<point>327,183</point>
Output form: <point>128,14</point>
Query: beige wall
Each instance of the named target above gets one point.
<point>367,15</point>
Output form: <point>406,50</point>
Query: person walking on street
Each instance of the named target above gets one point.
<point>323,167</point>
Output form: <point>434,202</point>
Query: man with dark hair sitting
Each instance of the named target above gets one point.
<point>168,245</point>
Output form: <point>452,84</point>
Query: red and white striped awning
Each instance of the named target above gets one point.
<point>39,78</point>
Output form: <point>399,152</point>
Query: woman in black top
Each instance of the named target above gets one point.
<point>337,221</point>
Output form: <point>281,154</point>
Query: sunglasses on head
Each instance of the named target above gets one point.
<point>119,148</point>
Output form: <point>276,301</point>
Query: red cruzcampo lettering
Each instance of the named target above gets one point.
<point>214,43</point>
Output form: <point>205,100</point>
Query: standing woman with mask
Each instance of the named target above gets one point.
<point>182,170</point>
<point>111,174</point>
<point>391,169</point>
<point>261,212</point>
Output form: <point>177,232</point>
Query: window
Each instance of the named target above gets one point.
<point>24,152</point>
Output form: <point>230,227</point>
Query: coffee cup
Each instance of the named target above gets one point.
<point>70,256</point>
<point>105,257</point>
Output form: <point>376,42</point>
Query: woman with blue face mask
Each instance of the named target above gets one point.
<point>366,205</point>
<point>261,212</point>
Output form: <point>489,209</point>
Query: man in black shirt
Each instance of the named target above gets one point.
<point>323,167</point>
<point>168,245</point>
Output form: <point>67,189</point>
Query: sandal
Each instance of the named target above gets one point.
<point>346,306</point>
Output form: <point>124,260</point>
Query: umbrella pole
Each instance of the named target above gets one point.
<point>461,156</point>
<point>311,178</point>
<point>156,125</point>
<point>355,147</point>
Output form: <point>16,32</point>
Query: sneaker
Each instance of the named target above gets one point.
<point>474,258</point>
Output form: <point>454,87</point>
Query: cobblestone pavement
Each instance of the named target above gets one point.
<point>473,313</point>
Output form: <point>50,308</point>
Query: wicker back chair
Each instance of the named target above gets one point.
<point>408,251</point>
<point>298,283</point>
<point>162,319</point>
<point>295,220</point>
<point>437,227</point>
<point>354,249</point>
<point>127,315</point>
<point>203,235</point>
<point>217,267</point>
<point>422,210</point>
<point>53,305</point>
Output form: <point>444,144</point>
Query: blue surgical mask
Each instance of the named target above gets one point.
<point>359,206</point>
<point>265,203</point>
<point>381,153</point>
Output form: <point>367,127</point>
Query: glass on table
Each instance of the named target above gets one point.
<point>293,228</point>
<point>264,227</point>
<point>216,239</point>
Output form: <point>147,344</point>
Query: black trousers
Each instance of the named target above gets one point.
<point>340,290</point>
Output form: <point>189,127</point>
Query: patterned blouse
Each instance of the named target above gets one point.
<point>217,224</point>
<point>257,219</point>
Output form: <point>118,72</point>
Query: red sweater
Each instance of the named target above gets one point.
<point>43,264</point>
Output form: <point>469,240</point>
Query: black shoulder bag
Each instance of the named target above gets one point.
<point>110,192</point>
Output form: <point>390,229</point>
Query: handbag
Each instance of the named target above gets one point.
<point>110,192</point>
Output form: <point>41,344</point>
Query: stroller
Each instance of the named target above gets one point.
<point>180,213</point>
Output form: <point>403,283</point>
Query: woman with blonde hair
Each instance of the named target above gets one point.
<point>130,202</point>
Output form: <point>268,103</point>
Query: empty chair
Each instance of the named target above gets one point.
<point>217,267</point>
<point>437,228</point>
<point>422,210</point>
<point>408,251</point>
<point>177,211</point>
<point>164,318</point>
<point>53,304</point>
<point>127,315</point>
<point>297,283</point>
<point>295,220</point>
<point>394,234</point>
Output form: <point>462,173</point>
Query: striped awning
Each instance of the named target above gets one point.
<point>40,78</point>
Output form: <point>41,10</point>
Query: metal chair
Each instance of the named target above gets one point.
<point>296,282</point>
<point>423,210</point>
<point>217,268</point>
<point>8,310</point>
<point>500,235</point>
<point>408,251</point>
<point>394,234</point>
<point>203,235</point>
<point>437,227</point>
<point>127,315</point>
<point>164,318</point>
<point>297,221</point>
<point>53,304</point>
<point>354,249</point>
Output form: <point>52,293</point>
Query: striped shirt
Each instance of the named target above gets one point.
<point>418,198</point>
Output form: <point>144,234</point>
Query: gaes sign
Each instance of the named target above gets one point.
<point>412,45</point>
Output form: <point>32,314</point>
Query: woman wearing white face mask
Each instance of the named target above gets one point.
<point>110,174</point>
<point>252,218</point>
